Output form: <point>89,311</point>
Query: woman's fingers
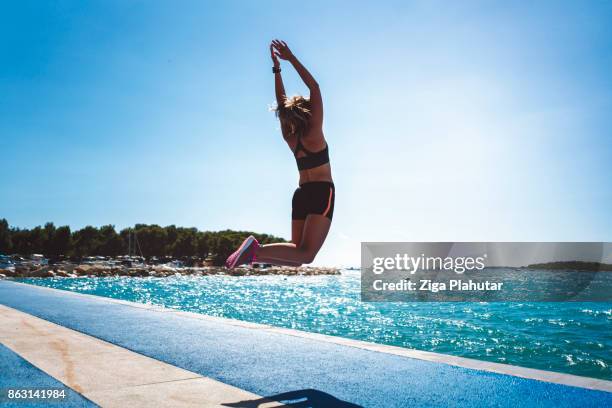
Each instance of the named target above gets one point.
<point>280,48</point>
<point>278,44</point>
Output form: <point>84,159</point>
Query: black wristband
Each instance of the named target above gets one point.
<point>276,70</point>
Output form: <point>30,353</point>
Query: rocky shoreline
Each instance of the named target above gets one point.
<point>75,271</point>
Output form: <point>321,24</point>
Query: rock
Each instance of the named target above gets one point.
<point>164,270</point>
<point>66,267</point>
<point>238,272</point>
<point>123,271</point>
<point>44,272</point>
<point>69,268</point>
<point>62,273</point>
<point>98,270</point>
<point>95,271</point>
<point>103,270</point>
<point>188,271</point>
<point>8,273</point>
<point>83,270</point>
<point>138,272</point>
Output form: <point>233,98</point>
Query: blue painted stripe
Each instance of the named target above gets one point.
<point>269,363</point>
<point>18,374</point>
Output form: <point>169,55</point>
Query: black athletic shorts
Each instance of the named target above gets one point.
<point>315,197</point>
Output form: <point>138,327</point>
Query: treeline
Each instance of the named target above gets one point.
<point>152,240</point>
<point>573,266</point>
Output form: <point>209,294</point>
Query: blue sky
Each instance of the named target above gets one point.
<point>478,121</point>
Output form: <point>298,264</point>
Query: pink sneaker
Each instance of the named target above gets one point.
<point>244,254</point>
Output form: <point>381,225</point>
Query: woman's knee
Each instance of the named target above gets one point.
<point>307,256</point>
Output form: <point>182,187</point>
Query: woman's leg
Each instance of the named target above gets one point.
<point>296,237</point>
<point>313,236</point>
<point>297,227</point>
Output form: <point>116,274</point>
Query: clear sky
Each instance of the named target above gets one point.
<point>447,121</point>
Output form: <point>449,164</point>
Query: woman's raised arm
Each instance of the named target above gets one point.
<point>279,87</point>
<point>282,51</point>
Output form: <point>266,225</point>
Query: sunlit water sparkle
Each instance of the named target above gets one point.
<point>574,338</point>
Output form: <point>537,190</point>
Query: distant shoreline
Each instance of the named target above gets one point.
<point>158,271</point>
<point>573,265</point>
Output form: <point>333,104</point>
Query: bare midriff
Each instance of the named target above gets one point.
<point>321,173</point>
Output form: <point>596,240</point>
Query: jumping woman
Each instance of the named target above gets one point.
<point>301,121</point>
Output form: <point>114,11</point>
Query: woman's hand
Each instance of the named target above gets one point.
<point>281,50</point>
<point>275,60</point>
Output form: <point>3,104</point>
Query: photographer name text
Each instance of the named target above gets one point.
<point>428,285</point>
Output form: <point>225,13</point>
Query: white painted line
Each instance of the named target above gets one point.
<point>109,375</point>
<point>507,369</point>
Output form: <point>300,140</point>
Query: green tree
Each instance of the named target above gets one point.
<point>186,242</point>
<point>19,240</point>
<point>203,243</point>
<point>111,243</point>
<point>61,243</point>
<point>6,244</point>
<point>48,233</point>
<point>223,246</point>
<point>36,238</point>
<point>172,235</point>
<point>56,241</point>
<point>86,241</point>
<point>152,239</point>
<point>27,242</point>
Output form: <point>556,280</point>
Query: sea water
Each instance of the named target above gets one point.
<point>568,337</point>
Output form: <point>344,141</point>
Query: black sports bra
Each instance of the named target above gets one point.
<point>311,159</point>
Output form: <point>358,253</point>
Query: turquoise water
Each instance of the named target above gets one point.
<point>574,338</point>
